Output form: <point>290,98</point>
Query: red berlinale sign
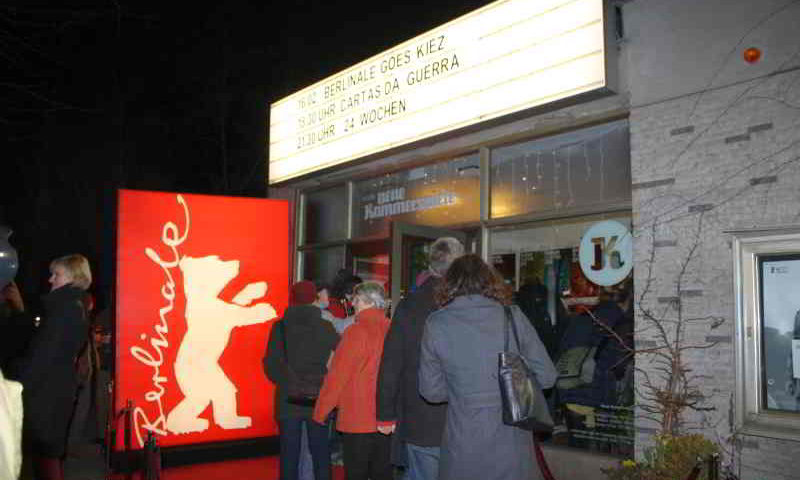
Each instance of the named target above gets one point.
<point>200,281</point>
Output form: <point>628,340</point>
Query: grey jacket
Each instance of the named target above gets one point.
<point>458,364</point>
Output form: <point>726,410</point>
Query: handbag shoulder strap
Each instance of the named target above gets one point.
<point>513,327</point>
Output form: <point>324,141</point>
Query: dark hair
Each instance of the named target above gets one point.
<point>343,283</point>
<point>470,275</point>
<point>351,283</point>
<point>619,293</point>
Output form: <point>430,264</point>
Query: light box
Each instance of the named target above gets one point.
<point>200,282</point>
<point>508,56</point>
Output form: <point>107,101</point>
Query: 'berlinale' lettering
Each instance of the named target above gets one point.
<point>345,82</point>
<point>171,237</point>
<point>432,70</point>
<point>382,112</point>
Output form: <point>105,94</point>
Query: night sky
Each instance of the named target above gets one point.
<point>158,95</point>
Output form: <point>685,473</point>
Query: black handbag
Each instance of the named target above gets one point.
<point>524,404</point>
<point>301,388</point>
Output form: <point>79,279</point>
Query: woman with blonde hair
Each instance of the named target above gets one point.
<point>48,370</point>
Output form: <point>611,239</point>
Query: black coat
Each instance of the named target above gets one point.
<point>48,371</point>
<point>532,300</point>
<point>310,339</point>
<point>609,357</point>
<point>420,422</point>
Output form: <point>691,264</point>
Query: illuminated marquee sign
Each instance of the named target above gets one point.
<point>200,281</point>
<point>506,57</point>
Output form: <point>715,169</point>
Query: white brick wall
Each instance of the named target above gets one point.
<point>710,157</point>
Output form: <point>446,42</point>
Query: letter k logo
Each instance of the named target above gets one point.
<point>606,249</point>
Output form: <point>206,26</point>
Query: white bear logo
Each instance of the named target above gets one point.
<point>209,322</point>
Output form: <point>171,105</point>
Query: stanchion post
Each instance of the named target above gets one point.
<point>127,434</point>
<point>110,430</point>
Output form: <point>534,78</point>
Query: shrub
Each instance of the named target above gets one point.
<point>672,458</point>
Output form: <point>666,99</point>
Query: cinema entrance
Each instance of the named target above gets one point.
<point>524,203</point>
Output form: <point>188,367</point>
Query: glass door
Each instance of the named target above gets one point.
<point>409,255</point>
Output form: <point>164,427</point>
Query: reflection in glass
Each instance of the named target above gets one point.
<point>780,314</point>
<point>322,264</point>
<point>442,194</point>
<point>584,167</point>
<point>324,215</point>
<point>593,398</point>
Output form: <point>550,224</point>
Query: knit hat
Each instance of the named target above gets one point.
<point>303,293</point>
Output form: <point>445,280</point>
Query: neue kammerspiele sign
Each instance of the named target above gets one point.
<point>508,56</point>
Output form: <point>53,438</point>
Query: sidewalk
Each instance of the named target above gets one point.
<point>85,462</point>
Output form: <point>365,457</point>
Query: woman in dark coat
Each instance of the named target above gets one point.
<point>48,371</point>
<point>309,341</point>
<point>458,365</point>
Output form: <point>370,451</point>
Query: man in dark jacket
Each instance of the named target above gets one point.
<point>419,424</point>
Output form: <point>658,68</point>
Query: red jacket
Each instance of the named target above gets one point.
<point>351,381</point>
<point>337,307</point>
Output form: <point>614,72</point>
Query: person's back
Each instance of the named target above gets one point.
<point>351,384</point>
<point>421,423</point>
<point>474,335</point>
<point>471,330</point>
<point>398,386</point>
<point>309,341</point>
<point>302,341</point>
<point>458,364</point>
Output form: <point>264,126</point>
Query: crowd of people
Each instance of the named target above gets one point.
<point>418,391</point>
<point>54,356</point>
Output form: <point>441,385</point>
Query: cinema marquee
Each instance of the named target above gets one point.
<point>509,56</point>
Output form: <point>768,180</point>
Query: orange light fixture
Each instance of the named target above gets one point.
<point>752,55</point>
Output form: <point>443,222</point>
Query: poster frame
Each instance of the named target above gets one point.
<point>749,248</point>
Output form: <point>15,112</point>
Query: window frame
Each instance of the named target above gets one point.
<point>751,415</point>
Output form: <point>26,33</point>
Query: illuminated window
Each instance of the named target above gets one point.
<point>593,399</point>
<point>441,194</point>
<point>570,170</point>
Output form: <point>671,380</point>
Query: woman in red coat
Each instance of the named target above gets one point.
<point>350,385</point>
